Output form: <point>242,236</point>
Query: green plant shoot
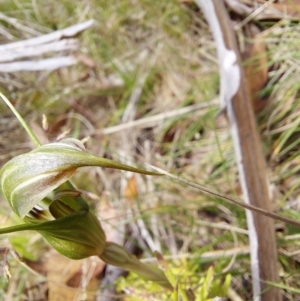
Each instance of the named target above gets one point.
<point>36,186</point>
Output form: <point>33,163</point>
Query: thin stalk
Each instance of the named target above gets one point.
<point>29,131</point>
<point>230,199</point>
<point>22,121</point>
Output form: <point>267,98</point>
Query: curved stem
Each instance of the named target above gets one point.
<point>21,120</point>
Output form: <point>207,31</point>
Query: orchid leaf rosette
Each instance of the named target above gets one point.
<point>36,186</point>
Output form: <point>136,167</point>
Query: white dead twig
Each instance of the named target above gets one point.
<point>45,64</point>
<point>68,32</point>
<point>31,51</point>
<point>58,41</point>
<point>155,119</point>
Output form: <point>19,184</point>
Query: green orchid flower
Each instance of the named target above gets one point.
<point>46,168</point>
<point>36,186</point>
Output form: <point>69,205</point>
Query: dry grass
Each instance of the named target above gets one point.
<point>153,57</point>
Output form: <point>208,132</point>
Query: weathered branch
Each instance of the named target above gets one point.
<point>250,161</point>
<point>60,41</point>
<point>68,32</point>
<point>44,64</point>
<point>32,51</point>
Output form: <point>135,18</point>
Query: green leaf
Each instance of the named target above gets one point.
<point>29,178</point>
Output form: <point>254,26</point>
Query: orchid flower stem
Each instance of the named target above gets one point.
<point>21,120</point>
<point>34,139</point>
<point>73,230</point>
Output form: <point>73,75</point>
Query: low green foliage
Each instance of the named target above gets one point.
<point>189,284</point>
